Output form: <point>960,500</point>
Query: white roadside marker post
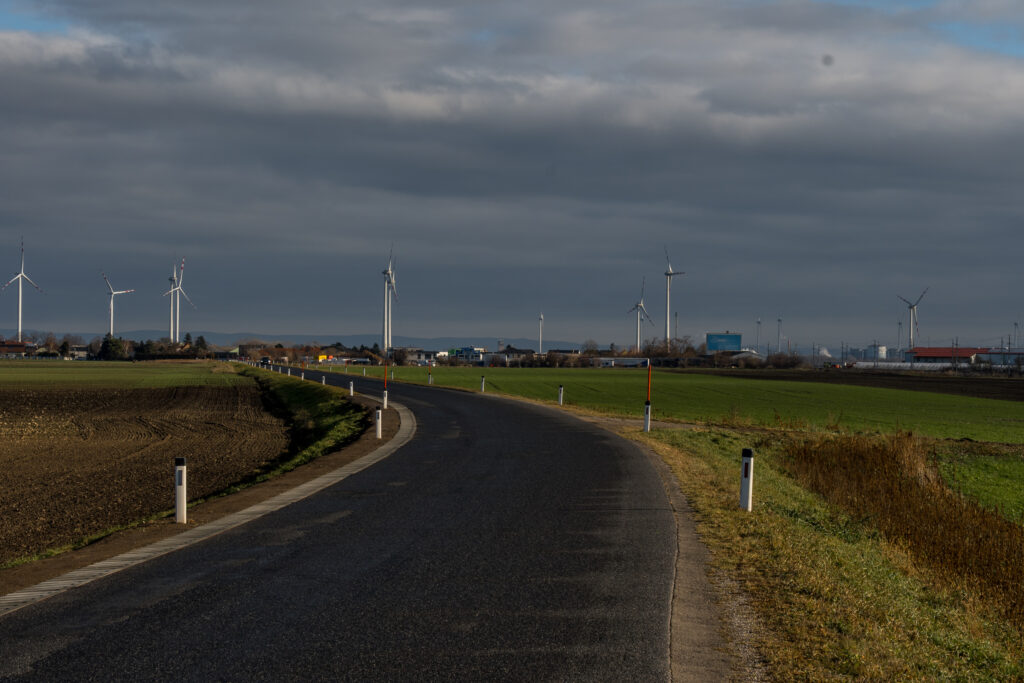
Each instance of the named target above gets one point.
<point>483,383</point>
<point>323,379</point>
<point>747,481</point>
<point>351,388</point>
<point>385,400</point>
<point>303,377</point>
<point>379,420</point>
<point>364,372</point>
<point>180,491</point>
<point>560,390</point>
<point>647,405</point>
<point>289,372</point>
<point>430,378</point>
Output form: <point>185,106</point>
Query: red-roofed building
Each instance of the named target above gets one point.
<point>13,348</point>
<point>943,354</point>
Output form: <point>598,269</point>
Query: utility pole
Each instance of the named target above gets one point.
<point>778,337</point>
<point>757,337</point>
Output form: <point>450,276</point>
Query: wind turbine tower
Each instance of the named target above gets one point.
<point>669,274</point>
<point>390,288</point>
<point>540,337</point>
<point>173,279</point>
<point>641,313</point>
<point>112,295</point>
<point>914,330</point>
<point>20,277</point>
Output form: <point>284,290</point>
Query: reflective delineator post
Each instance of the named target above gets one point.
<point>560,390</point>
<point>364,372</point>
<point>430,378</point>
<point>647,405</point>
<point>289,372</point>
<point>303,377</point>
<point>351,388</point>
<point>180,491</point>
<point>483,383</point>
<point>380,423</point>
<point>747,481</point>
<point>385,399</point>
<point>323,379</point>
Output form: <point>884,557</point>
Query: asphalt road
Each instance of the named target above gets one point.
<point>504,542</point>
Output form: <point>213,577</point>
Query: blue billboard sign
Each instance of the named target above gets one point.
<point>723,342</point>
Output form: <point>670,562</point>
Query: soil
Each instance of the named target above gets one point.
<point>77,461</point>
<point>144,533</point>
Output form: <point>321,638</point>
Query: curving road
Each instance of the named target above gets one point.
<point>504,541</point>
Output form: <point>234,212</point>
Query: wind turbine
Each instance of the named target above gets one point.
<point>641,313</point>
<point>112,295</point>
<point>669,274</point>
<point>389,288</point>
<point>913,316</point>
<point>19,277</point>
<point>180,293</point>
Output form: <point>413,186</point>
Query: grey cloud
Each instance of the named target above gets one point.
<point>520,157</point>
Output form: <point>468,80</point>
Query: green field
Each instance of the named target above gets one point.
<point>735,401</point>
<point>146,375</point>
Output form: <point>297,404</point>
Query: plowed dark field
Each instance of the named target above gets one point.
<point>979,386</point>
<point>77,461</point>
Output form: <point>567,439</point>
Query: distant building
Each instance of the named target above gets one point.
<point>622,362</point>
<point>507,355</point>
<point>467,354</point>
<point>12,349</point>
<point>943,354</point>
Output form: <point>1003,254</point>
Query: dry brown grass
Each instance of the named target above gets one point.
<point>893,484</point>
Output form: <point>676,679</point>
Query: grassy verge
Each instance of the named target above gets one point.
<point>838,597</point>
<point>320,420</point>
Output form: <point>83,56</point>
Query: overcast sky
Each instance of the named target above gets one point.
<point>804,159</point>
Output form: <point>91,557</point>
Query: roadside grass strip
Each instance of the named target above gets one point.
<point>840,592</point>
<point>19,599</point>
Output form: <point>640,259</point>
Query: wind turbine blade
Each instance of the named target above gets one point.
<point>186,297</point>
<point>920,297</point>
<point>181,272</point>
<point>904,300</point>
<point>643,288</point>
<point>9,282</point>
<point>669,272</point>
<point>32,283</point>
<point>110,286</point>
<point>125,291</point>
